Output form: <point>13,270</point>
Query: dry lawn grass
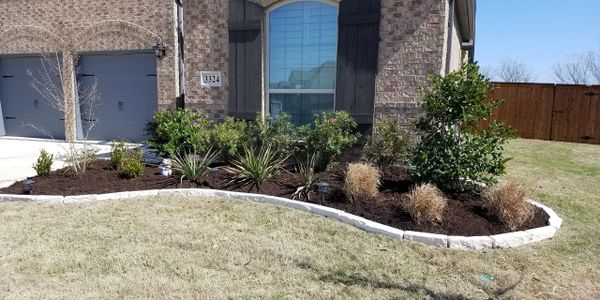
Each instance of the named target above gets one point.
<point>216,249</point>
<point>362,181</point>
<point>426,204</point>
<point>508,202</point>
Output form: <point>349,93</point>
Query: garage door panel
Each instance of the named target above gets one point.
<point>27,113</point>
<point>127,90</point>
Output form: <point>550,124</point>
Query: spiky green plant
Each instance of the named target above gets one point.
<point>255,167</point>
<point>191,165</point>
<point>305,175</point>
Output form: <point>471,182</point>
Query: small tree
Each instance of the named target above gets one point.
<point>453,151</point>
<point>50,82</point>
<point>572,71</point>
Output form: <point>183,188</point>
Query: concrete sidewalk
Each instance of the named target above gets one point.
<point>17,156</point>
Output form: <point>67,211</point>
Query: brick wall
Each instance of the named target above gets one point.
<point>412,47</point>
<point>206,49</point>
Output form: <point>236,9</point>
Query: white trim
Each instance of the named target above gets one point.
<point>302,91</point>
<point>267,91</point>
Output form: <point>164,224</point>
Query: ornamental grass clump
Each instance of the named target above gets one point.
<point>362,182</point>
<point>191,165</point>
<point>426,204</point>
<point>508,202</point>
<point>255,167</point>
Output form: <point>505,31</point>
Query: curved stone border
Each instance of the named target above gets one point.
<point>506,240</point>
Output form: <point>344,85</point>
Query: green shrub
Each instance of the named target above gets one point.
<point>387,146</point>
<point>44,162</point>
<point>229,137</point>
<point>328,137</point>
<point>279,132</point>
<point>131,164</point>
<point>192,166</point>
<point>179,131</point>
<point>255,167</point>
<point>117,151</point>
<point>452,150</point>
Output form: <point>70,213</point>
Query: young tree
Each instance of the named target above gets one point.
<point>512,70</point>
<point>51,81</point>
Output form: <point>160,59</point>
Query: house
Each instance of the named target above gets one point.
<point>223,57</point>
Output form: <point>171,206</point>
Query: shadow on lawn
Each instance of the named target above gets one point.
<point>349,279</point>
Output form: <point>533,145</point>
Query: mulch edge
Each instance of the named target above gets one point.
<point>499,241</point>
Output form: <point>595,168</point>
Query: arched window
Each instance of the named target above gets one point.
<point>302,58</point>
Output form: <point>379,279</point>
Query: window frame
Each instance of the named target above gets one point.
<point>267,39</point>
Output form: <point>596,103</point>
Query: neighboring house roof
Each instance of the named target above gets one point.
<point>465,14</point>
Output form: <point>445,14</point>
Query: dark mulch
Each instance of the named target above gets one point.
<point>464,215</point>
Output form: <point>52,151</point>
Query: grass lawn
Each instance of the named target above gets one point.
<point>212,248</point>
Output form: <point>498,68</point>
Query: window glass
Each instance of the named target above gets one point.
<point>303,46</point>
<point>302,59</point>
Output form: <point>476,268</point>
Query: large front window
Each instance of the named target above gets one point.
<point>302,59</point>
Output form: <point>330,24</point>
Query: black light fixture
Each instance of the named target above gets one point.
<point>159,49</point>
<point>213,174</point>
<point>322,190</point>
<point>28,186</point>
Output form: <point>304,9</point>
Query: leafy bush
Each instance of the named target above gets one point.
<point>452,151</point>
<point>328,137</point>
<point>131,164</point>
<point>229,137</point>
<point>508,202</point>
<point>44,162</point>
<point>192,166</point>
<point>305,175</point>
<point>179,131</point>
<point>426,204</point>
<point>279,132</point>
<point>255,167</point>
<point>117,151</point>
<point>362,182</point>
<point>387,146</point>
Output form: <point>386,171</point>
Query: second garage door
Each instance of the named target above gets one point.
<point>126,92</point>
<point>27,113</point>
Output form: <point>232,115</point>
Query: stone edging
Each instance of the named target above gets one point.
<point>506,240</point>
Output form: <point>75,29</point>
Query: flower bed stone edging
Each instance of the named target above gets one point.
<point>505,240</point>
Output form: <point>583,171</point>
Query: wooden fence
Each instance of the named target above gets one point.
<point>569,113</point>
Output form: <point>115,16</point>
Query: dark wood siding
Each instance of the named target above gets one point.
<point>245,56</point>
<point>358,47</point>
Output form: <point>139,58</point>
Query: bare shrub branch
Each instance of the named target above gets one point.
<point>573,71</point>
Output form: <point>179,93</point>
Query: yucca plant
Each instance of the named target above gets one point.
<point>255,167</point>
<point>191,165</point>
<point>305,175</point>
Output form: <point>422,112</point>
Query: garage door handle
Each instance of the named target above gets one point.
<point>87,75</point>
<point>11,118</point>
<point>89,120</point>
<point>120,105</point>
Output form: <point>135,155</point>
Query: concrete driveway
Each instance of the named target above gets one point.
<point>18,155</point>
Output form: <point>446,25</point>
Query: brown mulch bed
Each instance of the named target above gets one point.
<point>464,215</point>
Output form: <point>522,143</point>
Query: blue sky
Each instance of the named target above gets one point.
<point>538,33</point>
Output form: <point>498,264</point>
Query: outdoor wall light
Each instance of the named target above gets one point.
<point>159,49</point>
<point>322,190</point>
<point>213,174</point>
<point>28,186</point>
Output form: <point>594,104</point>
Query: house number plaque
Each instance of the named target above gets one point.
<point>210,79</point>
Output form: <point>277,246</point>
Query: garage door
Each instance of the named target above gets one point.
<point>26,113</point>
<point>127,93</point>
